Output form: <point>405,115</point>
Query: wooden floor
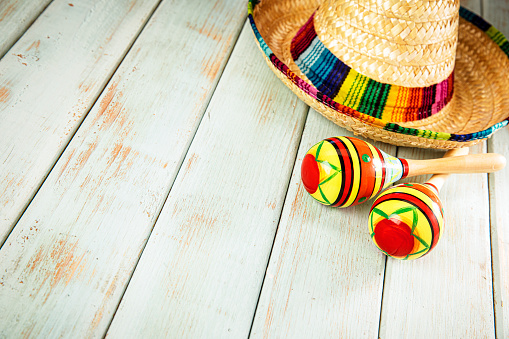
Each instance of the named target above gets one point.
<point>149,187</point>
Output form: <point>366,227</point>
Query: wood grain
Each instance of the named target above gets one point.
<point>202,269</point>
<point>498,184</point>
<point>48,82</point>
<point>15,18</point>
<point>239,248</point>
<point>474,163</point>
<point>497,13</point>
<point>448,292</point>
<point>325,276</point>
<point>66,264</point>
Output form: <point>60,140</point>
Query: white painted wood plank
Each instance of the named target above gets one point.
<point>448,292</point>
<point>473,5</point>
<point>65,266</point>
<point>325,275</point>
<point>499,198</point>
<point>48,82</point>
<point>202,270</point>
<point>15,17</point>
<point>497,13</point>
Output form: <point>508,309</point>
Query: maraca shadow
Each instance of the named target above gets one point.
<point>406,220</point>
<point>346,171</point>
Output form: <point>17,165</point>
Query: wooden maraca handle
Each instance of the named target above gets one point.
<point>474,163</point>
<point>438,180</point>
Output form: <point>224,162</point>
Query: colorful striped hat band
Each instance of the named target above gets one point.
<point>346,86</point>
<point>407,72</point>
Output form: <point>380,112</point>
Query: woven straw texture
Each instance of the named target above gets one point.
<point>480,103</point>
<point>405,50</point>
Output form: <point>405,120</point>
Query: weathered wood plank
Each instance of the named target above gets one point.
<point>65,266</point>
<point>498,184</point>
<point>48,82</point>
<point>497,13</point>
<point>473,5</point>
<point>325,275</point>
<point>15,17</point>
<point>448,292</point>
<point>202,269</point>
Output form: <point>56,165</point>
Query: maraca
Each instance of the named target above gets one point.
<point>346,171</point>
<point>406,220</point>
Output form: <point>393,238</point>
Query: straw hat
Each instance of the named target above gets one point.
<point>422,73</point>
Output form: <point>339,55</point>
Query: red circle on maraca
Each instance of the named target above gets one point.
<point>416,210</point>
<point>394,237</point>
<point>310,173</point>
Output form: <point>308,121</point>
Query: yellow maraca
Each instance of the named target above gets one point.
<point>406,220</point>
<point>346,171</point>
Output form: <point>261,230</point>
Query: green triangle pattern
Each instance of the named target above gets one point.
<point>334,172</point>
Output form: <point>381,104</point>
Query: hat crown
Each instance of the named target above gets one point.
<point>409,43</point>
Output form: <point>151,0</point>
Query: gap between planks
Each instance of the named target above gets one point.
<point>18,27</point>
<point>278,223</point>
<point>222,47</point>
<point>76,53</point>
<point>209,248</point>
<point>71,136</point>
<point>179,168</point>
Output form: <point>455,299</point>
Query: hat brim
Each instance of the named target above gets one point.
<point>479,107</point>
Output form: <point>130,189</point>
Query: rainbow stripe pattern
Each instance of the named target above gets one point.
<point>406,220</point>
<point>346,86</point>
<point>317,95</point>
<point>345,171</point>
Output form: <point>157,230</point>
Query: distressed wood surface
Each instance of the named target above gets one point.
<point>497,13</point>
<point>15,17</point>
<point>48,82</point>
<point>65,266</point>
<point>324,265</point>
<point>143,229</point>
<point>201,272</point>
<point>447,293</point>
<point>499,196</point>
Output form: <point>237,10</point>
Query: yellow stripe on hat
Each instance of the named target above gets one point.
<point>351,91</point>
<point>390,103</point>
<point>359,91</point>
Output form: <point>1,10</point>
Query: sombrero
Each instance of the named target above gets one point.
<point>422,73</point>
